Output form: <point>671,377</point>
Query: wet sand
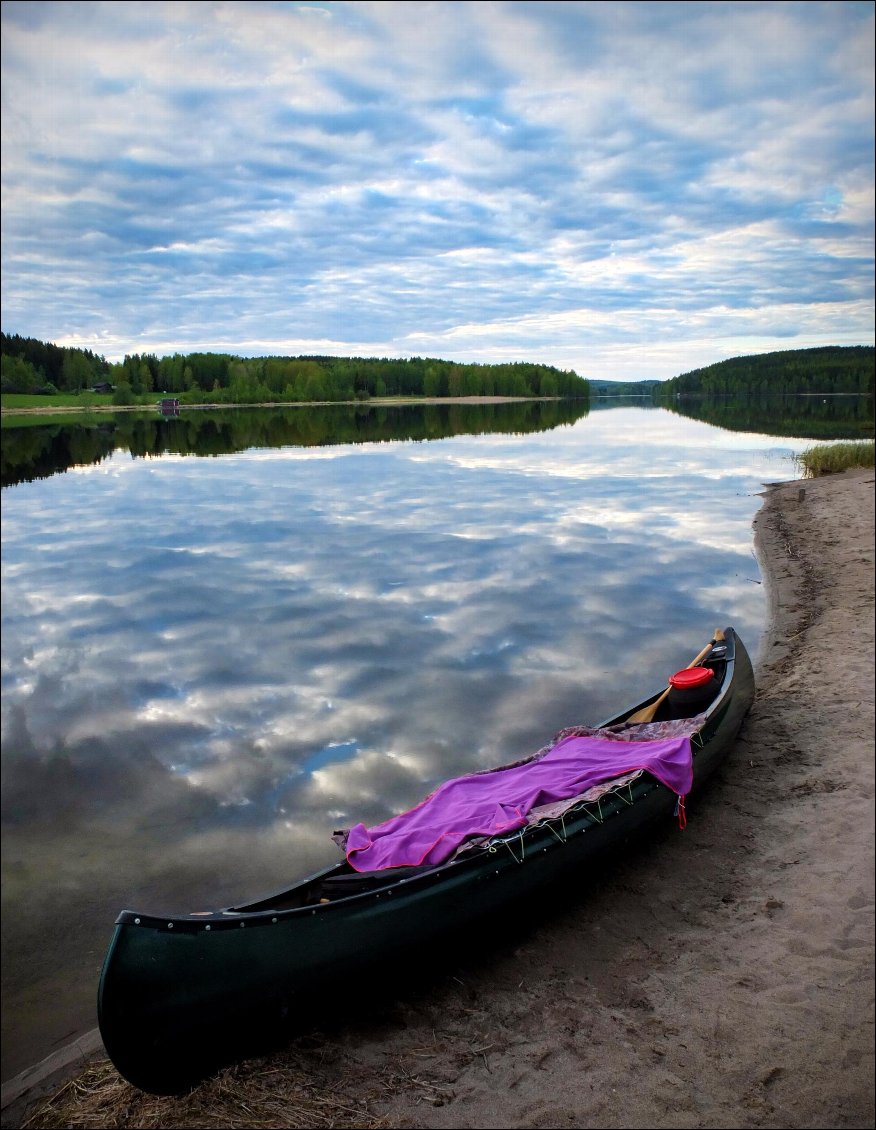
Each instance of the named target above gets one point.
<point>719,977</point>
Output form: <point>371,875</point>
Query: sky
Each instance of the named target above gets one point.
<point>626,190</point>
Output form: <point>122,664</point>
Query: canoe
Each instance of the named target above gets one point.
<point>180,995</point>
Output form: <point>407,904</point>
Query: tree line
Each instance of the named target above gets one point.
<point>31,366</point>
<point>827,370</point>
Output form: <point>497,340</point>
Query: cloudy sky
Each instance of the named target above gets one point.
<point>628,190</point>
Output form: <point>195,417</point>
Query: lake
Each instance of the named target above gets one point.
<point>227,634</point>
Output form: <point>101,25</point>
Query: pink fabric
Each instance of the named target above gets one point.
<point>493,803</point>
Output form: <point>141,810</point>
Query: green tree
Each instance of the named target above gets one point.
<point>77,373</point>
<point>144,378</point>
<point>18,375</point>
<point>432,382</point>
<point>124,394</point>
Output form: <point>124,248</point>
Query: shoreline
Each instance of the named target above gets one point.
<point>373,401</point>
<point>720,978</point>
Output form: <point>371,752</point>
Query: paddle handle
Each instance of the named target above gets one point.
<point>646,714</point>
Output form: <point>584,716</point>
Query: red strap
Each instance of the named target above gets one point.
<point>680,813</point>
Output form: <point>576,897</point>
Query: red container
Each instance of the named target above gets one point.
<point>691,690</point>
<point>691,677</point>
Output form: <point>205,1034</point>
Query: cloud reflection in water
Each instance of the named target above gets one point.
<point>209,664</point>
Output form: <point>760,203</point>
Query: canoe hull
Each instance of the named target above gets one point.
<point>179,996</point>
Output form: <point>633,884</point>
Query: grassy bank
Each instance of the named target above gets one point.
<point>82,402</point>
<point>835,457</point>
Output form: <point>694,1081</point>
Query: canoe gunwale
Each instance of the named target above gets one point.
<point>575,820</point>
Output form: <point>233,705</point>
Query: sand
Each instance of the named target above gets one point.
<point>718,977</point>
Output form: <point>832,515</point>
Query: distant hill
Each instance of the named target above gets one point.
<point>622,388</point>
<point>826,370</point>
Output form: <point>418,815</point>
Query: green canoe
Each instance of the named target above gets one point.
<point>180,995</point>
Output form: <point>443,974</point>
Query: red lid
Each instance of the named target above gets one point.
<point>691,677</point>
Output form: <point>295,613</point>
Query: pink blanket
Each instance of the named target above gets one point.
<point>493,803</point>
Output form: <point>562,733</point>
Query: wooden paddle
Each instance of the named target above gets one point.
<point>646,714</point>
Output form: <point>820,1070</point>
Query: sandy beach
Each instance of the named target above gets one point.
<point>719,977</point>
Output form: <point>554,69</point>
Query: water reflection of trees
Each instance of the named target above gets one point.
<point>34,451</point>
<point>811,417</point>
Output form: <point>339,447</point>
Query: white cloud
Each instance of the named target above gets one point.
<point>627,190</point>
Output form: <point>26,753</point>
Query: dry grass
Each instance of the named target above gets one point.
<point>282,1092</point>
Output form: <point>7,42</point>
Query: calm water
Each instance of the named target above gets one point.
<point>210,663</point>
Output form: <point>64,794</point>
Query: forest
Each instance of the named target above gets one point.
<point>31,366</point>
<point>35,367</point>
<point>826,370</point>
